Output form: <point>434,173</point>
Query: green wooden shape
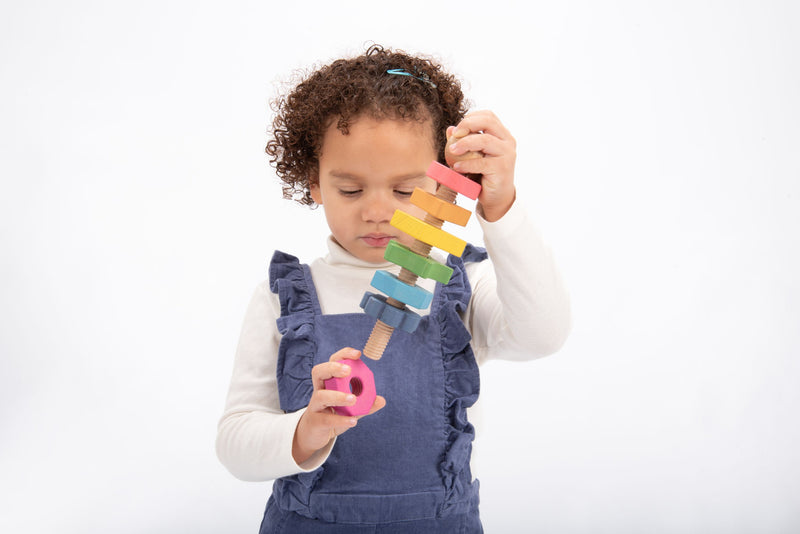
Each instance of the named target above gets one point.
<point>419,265</point>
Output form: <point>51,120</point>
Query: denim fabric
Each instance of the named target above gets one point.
<point>405,468</point>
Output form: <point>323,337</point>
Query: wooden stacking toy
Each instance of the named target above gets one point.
<point>390,311</point>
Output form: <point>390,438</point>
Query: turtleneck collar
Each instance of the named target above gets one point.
<point>339,257</point>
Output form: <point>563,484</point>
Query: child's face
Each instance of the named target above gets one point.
<point>368,174</point>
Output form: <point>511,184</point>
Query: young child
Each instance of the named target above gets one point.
<point>356,138</point>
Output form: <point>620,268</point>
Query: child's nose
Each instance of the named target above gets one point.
<point>378,208</point>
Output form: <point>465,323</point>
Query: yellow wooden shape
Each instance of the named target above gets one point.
<point>440,209</point>
<point>427,233</point>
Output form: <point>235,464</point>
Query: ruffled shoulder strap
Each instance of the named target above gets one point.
<point>458,290</point>
<point>462,378</point>
<point>473,254</point>
<point>281,264</point>
<point>292,282</point>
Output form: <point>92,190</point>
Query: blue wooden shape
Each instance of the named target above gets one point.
<point>397,289</point>
<point>375,306</point>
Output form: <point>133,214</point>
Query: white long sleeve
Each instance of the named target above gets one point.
<point>254,436</point>
<point>519,310</point>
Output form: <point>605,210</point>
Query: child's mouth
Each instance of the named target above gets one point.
<point>376,240</point>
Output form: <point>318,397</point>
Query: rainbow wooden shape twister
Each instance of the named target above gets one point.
<point>390,312</point>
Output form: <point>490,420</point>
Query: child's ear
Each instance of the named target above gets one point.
<point>315,194</point>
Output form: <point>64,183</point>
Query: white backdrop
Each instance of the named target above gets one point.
<point>658,152</point>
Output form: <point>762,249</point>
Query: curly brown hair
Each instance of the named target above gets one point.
<point>351,87</point>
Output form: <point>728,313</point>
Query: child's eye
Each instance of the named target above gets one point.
<point>349,192</point>
<point>403,193</point>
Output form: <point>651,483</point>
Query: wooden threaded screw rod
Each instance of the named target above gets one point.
<point>382,332</point>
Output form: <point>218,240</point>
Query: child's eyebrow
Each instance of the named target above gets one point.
<point>395,179</point>
<point>343,175</point>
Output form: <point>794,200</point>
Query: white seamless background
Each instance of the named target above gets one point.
<point>658,151</point>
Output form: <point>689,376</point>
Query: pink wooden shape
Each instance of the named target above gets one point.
<point>360,382</point>
<point>455,181</point>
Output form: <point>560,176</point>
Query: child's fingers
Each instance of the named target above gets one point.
<point>320,422</point>
<point>323,399</point>
<point>323,371</point>
<point>472,166</point>
<point>482,121</point>
<point>488,144</point>
<point>491,165</point>
<point>332,368</point>
<point>488,167</point>
<point>345,353</point>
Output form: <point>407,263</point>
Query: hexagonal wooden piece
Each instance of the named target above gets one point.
<point>420,265</point>
<point>455,181</point>
<point>439,208</point>
<point>376,307</point>
<point>427,233</point>
<point>413,296</point>
<point>360,382</point>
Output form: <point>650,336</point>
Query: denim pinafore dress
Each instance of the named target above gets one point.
<point>406,467</point>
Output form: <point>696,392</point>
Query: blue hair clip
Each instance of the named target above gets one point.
<point>402,72</point>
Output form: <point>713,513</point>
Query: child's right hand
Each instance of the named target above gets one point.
<point>320,423</point>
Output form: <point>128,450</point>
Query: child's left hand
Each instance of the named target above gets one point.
<point>483,132</point>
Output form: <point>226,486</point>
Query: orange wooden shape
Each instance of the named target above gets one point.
<point>439,208</point>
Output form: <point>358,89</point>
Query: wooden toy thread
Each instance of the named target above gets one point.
<point>423,249</point>
<point>407,277</point>
<point>452,158</point>
<point>381,332</point>
<point>378,340</point>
